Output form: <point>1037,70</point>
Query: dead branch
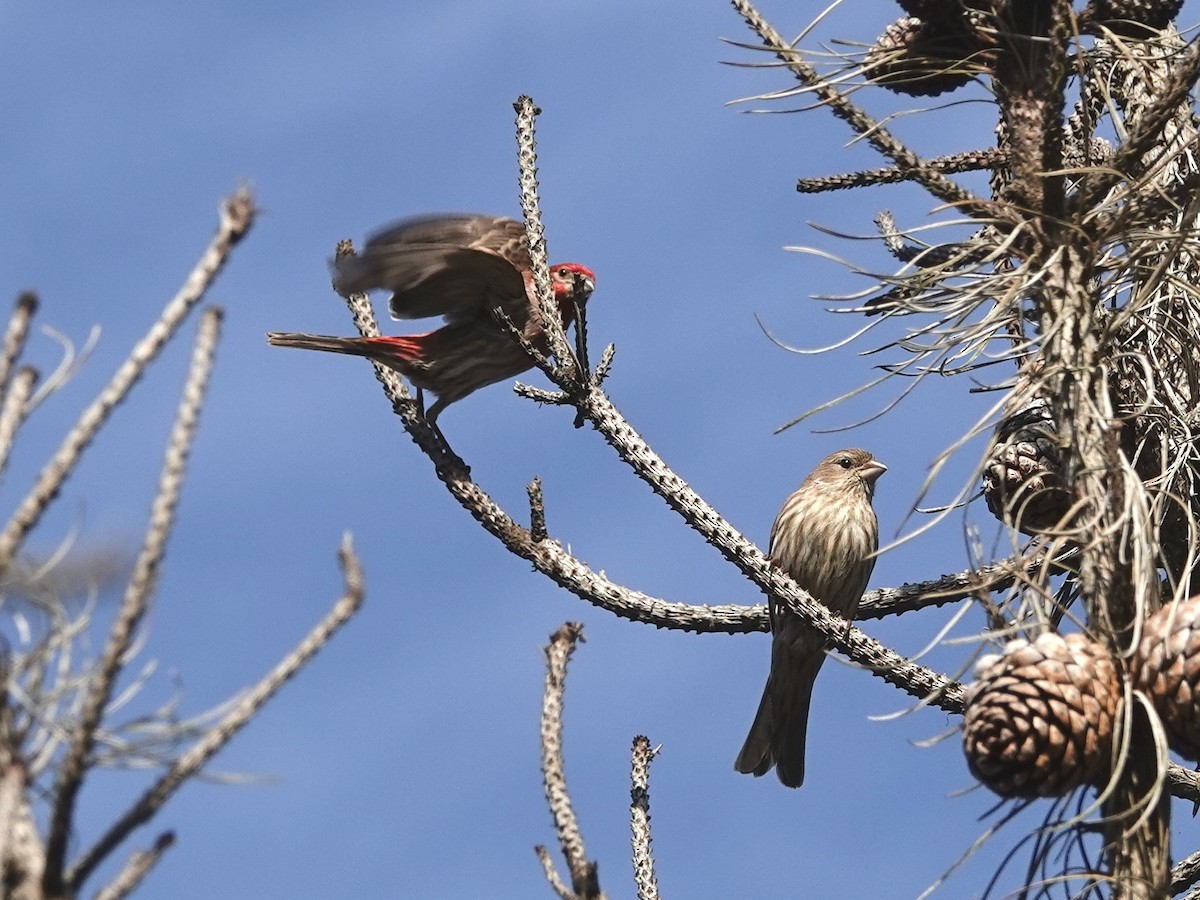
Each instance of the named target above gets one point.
<point>136,869</point>
<point>639,811</point>
<point>585,880</point>
<point>191,762</point>
<point>237,215</point>
<point>136,602</point>
<point>15,335</point>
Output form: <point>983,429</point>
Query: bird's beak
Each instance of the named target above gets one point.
<point>873,471</point>
<point>584,285</point>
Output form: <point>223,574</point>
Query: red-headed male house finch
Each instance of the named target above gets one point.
<point>824,537</point>
<point>459,267</point>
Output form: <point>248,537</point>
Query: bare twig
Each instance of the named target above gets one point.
<point>237,215</point>
<point>24,856</point>
<point>13,410</point>
<point>639,810</point>
<point>1149,131</point>
<point>15,335</point>
<point>998,576</point>
<point>541,395</point>
<point>12,794</point>
<point>859,121</point>
<point>605,365</point>
<point>136,869</point>
<point>556,883</point>
<point>969,161</point>
<point>567,365</point>
<point>137,599</point>
<point>917,681</point>
<point>585,881</point>
<point>187,765</point>
<point>1185,873</point>
<point>1183,783</point>
<point>537,511</point>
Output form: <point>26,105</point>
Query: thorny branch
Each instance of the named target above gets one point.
<point>594,406</point>
<point>549,557</point>
<point>555,880</point>
<point>15,335</point>
<point>237,215</point>
<point>1036,266</point>
<point>585,880</point>
<point>968,161</point>
<point>58,709</point>
<point>136,869</point>
<point>191,762</point>
<point>1043,263</point>
<point>14,409</point>
<point>907,162</point>
<point>1185,873</point>
<point>639,810</point>
<point>567,364</point>
<point>553,560</point>
<point>1086,277</point>
<point>133,607</point>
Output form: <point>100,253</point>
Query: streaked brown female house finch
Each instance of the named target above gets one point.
<point>824,537</point>
<point>461,268</point>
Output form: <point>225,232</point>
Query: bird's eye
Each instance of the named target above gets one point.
<point>564,272</point>
<point>845,462</point>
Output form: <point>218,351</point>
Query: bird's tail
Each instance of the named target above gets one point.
<point>755,758</point>
<point>780,730</point>
<point>394,351</point>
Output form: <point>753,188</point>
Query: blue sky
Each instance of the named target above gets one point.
<point>404,761</point>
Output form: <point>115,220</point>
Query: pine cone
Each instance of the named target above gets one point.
<point>1166,668</point>
<point>941,12</point>
<point>920,59</point>
<point>1098,152</point>
<point>930,10</point>
<point>1021,482</point>
<point>1127,17</point>
<point>1039,717</point>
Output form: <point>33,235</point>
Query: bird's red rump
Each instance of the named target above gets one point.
<point>461,268</point>
<point>410,347</point>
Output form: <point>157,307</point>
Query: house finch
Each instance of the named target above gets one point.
<point>824,537</point>
<point>460,268</point>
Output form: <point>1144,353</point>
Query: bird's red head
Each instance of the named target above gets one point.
<point>572,281</point>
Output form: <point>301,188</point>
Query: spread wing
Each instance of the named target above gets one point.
<point>453,266</point>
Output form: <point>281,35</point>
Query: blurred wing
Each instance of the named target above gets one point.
<point>453,266</point>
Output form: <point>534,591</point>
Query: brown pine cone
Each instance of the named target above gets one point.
<point>1021,481</point>
<point>930,10</point>
<point>920,59</point>
<point>941,12</point>
<point>1166,668</point>
<point>1133,17</point>
<point>1039,717</point>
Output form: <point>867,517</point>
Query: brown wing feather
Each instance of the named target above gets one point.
<point>454,266</point>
